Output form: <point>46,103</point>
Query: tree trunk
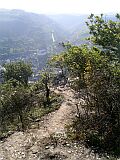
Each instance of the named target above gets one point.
<point>22,121</point>
<point>47,94</point>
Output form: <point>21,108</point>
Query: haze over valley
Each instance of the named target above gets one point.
<point>35,37</point>
<point>59,80</point>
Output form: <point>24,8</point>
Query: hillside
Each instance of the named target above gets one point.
<point>71,108</point>
<point>74,24</point>
<point>47,139</point>
<point>34,37</point>
<point>21,31</point>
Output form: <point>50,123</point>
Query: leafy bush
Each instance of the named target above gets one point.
<point>98,70</point>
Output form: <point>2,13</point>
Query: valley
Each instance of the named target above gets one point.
<point>34,37</point>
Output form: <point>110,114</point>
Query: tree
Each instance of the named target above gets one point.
<point>45,81</point>
<point>15,103</point>
<point>99,68</point>
<point>105,33</point>
<point>57,63</point>
<point>75,63</point>
<point>19,71</point>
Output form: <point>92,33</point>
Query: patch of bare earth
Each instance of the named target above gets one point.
<point>48,140</point>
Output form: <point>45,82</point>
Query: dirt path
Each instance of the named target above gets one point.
<point>44,143</point>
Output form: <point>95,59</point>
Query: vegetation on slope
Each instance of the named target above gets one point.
<point>94,73</point>
<point>22,32</point>
<point>21,103</point>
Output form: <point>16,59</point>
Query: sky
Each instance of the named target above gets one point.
<point>63,6</point>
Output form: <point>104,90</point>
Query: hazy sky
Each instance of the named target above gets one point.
<point>63,6</point>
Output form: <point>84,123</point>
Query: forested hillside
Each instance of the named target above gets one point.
<point>22,31</point>
<point>94,73</point>
<point>79,88</point>
<point>74,25</point>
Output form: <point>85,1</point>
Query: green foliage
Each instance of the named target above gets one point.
<point>21,106</point>
<point>57,61</point>
<point>59,69</point>
<point>105,33</point>
<point>17,71</point>
<point>20,103</point>
<point>97,68</point>
<point>15,102</point>
<point>45,79</point>
<point>75,61</point>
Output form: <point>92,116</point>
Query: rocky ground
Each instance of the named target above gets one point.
<point>47,140</point>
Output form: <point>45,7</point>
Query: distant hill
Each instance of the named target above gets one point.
<point>34,37</point>
<point>21,31</point>
<point>69,21</point>
<point>74,24</point>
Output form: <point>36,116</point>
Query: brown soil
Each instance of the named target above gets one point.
<point>46,139</point>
